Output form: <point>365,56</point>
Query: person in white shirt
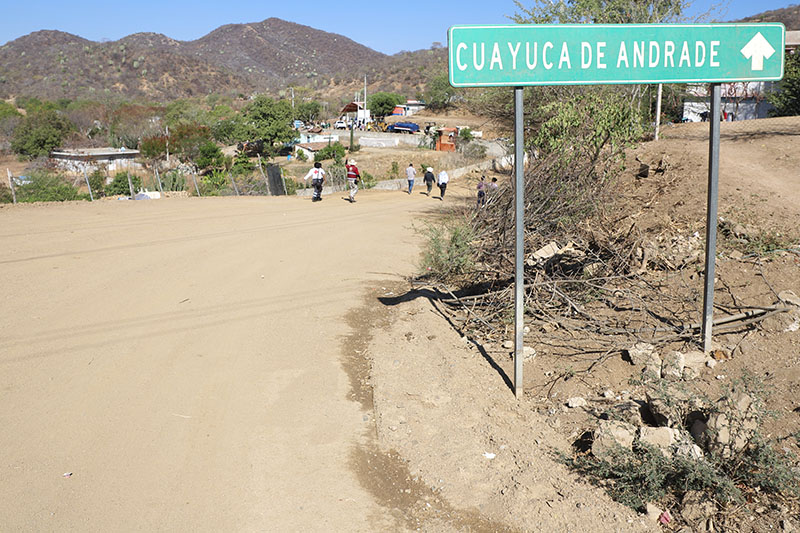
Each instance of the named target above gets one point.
<point>317,176</point>
<point>411,173</point>
<point>443,179</point>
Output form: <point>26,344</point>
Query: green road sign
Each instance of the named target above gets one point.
<point>582,54</point>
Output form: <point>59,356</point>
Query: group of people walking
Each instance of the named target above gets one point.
<point>429,179</point>
<point>317,177</point>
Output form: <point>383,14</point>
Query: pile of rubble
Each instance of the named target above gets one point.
<point>676,422</point>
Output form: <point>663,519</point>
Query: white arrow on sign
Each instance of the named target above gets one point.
<point>758,49</point>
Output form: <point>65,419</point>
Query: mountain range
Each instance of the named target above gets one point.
<point>266,56</point>
<point>233,59</point>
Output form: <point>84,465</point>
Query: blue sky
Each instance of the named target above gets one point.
<point>388,27</point>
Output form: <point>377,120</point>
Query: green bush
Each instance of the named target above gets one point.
<point>97,181</point>
<point>213,183</point>
<point>368,181</point>
<point>394,172</point>
<point>119,185</point>
<point>39,133</point>
<point>291,186</point>
<point>242,165</point>
<point>5,195</point>
<point>209,155</point>
<point>447,251</point>
<point>335,151</point>
<point>301,156</point>
<point>46,187</point>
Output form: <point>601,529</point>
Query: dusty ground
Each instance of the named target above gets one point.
<point>261,363</point>
<point>420,370</point>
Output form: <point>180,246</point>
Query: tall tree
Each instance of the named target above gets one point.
<point>786,94</point>
<point>267,119</point>
<point>40,133</point>
<point>382,103</point>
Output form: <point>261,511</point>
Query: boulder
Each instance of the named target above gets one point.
<point>662,438</point>
<point>693,364</point>
<point>611,435</point>
<point>653,512</point>
<point>630,412</point>
<point>640,353</point>
<point>546,252</point>
<point>733,425</point>
<point>576,402</point>
<point>652,366</point>
<point>672,366</point>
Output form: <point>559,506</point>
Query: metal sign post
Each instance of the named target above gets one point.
<point>591,54</point>
<point>88,185</point>
<point>519,255</point>
<point>711,217</point>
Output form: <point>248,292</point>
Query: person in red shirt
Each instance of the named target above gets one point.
<point>352,179</point>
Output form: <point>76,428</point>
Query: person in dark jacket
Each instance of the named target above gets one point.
<point>429,178</point>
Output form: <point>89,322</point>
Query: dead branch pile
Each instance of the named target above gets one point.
<point>589,268</point>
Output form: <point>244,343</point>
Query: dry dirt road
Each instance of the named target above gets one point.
<point>181,359</point>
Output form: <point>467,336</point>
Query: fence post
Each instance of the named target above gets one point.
<point>196,188</point>
<point>130,185</point>
<point>11,184</point>
<point>158,178</point>
<point>235,189</point>
<point>260,169</point>
<point>86,177</point>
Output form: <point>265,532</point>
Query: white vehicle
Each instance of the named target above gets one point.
<point>340,125</point>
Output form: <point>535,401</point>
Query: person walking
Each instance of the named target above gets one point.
<point>317,176</point>
<point>352,179</point>
<point>443,179</point>
<point>411,173</point>
<point>429,178</point>
<point>482,192</point>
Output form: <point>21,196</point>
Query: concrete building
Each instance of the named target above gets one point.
<point>91,159</point>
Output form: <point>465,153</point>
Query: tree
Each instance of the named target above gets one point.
<point>39,134</point>
<point>132,122</point>
<point>600,11</point>
<point>381,104</point>
<point>307,111</point>
<point>438,92</point>
<point>786,95</point>
<point>154,147</point>
<point>267,119</point>
<point>186,140</point>
<point>87,116</point>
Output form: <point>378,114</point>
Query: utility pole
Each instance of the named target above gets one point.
<point>292,89</point>
<point>167,146</point>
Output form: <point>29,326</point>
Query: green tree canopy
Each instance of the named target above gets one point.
<point>307,111</point>
<point>599,11</point>
<point>786,94</point>
<point>265,118</point>
<point>438,92</point>
<point>40,133</point>
<point>381,104</point>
